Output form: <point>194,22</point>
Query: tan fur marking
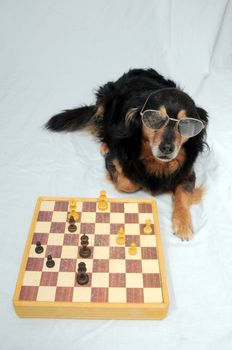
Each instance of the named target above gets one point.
<point>104,149</point>
<point>100,111</point>
<point>181,114</point>
<point>129,115</point>
<point>123,184</point>
<point>163,111</point>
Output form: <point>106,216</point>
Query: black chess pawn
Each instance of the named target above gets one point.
<point>50,262</point>
<point>82,276</point>
<point>39,249</point>
<point>72,227</point>
<point>85,251</point>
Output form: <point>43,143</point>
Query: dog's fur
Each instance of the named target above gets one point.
<point>133,153</point>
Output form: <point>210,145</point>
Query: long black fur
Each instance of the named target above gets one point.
<point>125,141</point>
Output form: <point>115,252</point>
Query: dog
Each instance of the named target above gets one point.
<point>151,133</point>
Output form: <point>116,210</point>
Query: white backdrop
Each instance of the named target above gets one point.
<point>53,55</point>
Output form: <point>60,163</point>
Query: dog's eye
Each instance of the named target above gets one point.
<point>190,127</point>
<point>153,119</point>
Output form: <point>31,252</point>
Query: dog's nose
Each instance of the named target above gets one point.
<point>166,148</point>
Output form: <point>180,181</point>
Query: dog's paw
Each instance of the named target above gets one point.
<point>182,227</point>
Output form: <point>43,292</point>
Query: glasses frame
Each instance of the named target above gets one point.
<point>168,118</point>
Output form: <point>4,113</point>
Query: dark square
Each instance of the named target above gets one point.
<point>68,265</point>
<point>114,228</point>
<point>61,206</point>
<point>57,227</point>
<point>54,251</point>
<point>89,206</point>
<point>117,253</point>
<point>131,218</point>
<point>133,266</point>
<point>132,239</point>
<point>101,265</point>
<point>116,207</point>
<point>41,237</point>
<point>45,216</point>
<point>99,295</point>
<point>148,253</point>
<point>145,208</point>
<point>70,239</point>
<point>64,294</point>
<point>151,280</point>
<point>117,280</point>
<point>141,227</point>
<point>34,264</point>
<point>49,279</point>
<point>134,295</point>
<point>103,217</point>
<point>101,240</point>
<point>87,228</point>
<point>28,293</point>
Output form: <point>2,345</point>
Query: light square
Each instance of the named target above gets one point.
<point>32,278</point>
<point>117,266</point>
<point>148,240</point>
<point>69,252</point>
<point>33,254</point>
<point>101,252</point>
<point>55,239</point>
<point>42,226</point>
<point>59,216</point>
<point>133,257</point>
<point>88,217</point>
<point>47,293</point>
<point>82,294</point>
<point>102,229</point>
<point>132,229</point>
<point>100,279</point>
<point>134,280</point>
<point>146,216</point>
<point>47,206</point>
<point>117,295</point>
<point>66,279</point>
<point>152,295</point>
<point>118,218</point>
<point>131,208</point>
<point>79,207</point>
<point>150,266</point>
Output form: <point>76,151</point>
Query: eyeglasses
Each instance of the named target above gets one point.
<point>155,120</point>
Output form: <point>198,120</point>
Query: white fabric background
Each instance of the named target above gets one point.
<point>53,55</point>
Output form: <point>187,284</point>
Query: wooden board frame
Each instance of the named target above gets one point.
<point>90,310</point>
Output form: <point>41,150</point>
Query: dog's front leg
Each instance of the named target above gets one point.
<point>181,216</point>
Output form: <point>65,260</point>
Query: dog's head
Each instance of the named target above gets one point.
<point>169,118</point>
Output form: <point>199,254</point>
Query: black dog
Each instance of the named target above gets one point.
<point>151,134</point>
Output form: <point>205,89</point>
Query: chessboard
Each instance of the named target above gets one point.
<point>121,284</point>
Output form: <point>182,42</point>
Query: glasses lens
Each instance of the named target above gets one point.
<point>190,127</point>
<point>153,119</point>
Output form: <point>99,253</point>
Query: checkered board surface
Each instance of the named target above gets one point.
<point>115,276</point>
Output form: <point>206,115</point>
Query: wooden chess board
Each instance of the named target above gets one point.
<point>121,286</point>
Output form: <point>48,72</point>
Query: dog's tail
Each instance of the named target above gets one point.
<point>73,119</point>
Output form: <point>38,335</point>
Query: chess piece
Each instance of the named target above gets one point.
<point>147,228</point>
<point>82,277</point>
<point>102,201</point>
<point>73,213</point>
<point>39,249</point>
<point>132,250</point>
<point>121,236</point>
<point>85,251</point>
<point>72,227</point>
<point>50,262</point>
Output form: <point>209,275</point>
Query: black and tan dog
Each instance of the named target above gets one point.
<point>151,133</point>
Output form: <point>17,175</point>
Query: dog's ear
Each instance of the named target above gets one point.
<point>203,115</point>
